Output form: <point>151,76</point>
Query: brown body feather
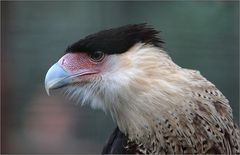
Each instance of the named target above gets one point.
<point>203,125</point>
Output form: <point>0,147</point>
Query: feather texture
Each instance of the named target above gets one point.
<point>161,107</point>
<point>164,108</point>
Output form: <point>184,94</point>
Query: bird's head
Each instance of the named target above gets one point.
<point>118,70</point>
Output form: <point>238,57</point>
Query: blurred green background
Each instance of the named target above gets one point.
<point>198,35</point>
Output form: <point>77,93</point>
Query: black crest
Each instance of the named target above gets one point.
<point>117,40</point>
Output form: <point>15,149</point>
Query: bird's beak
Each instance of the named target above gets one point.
<point>56,77</point>
<point>71,68</point>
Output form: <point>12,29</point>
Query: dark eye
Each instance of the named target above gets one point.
<point>96,56</point>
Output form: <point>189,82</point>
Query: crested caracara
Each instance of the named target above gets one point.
<point>158,106</point>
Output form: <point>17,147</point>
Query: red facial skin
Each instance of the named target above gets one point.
<point>80,65</point>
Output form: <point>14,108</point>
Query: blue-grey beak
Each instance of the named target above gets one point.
<point>56,77</point>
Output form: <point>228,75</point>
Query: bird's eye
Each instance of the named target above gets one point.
<point>96,56</point>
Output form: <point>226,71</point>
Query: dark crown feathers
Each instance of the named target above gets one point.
<point>117,40</point>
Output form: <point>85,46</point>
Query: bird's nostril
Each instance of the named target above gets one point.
<point>63,60</point>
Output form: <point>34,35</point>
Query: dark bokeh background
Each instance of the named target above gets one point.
<point>198,35</point>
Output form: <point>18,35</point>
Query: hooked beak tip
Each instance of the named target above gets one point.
<point>47,90</point>
<point>56,77</point>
